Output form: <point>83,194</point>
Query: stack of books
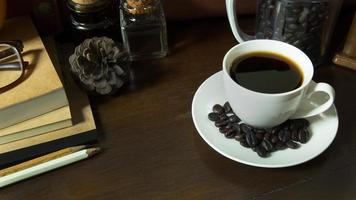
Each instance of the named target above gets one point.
<point>45,110</point>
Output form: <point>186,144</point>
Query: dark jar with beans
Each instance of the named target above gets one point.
<point>91,18</point>
<point>306,24</point>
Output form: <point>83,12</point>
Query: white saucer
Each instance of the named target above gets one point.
<point>323,129</point>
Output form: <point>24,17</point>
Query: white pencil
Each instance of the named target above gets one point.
<point>47,166</point>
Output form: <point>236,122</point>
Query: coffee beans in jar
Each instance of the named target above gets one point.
<point>300,23</point>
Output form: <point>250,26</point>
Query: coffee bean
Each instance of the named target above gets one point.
<point>227,107</point>
<point>234,118</point>
<point>284,135</point>
<point>275,130</point>
<point>280,146</point>
<point>221,123</point>
<point>267,145</point>
<point>260,130</point>
<point>239,136</point>
<point>292,145</point>
<point>261,151</point>
<point>223,117</point>
<point>236,127</point>
<point>274,139</point>
<point>223,129</point>
<point>218,109</point>
<point>229,125</point>
<point>303,136</point>
<point>267,136</point>
<point>294,135</point>
<point>245,128</point>
<point>251,139</point>
<point>230,133</point>
<point>213,117</point>
<point>292,26</point>
<point>244,143</point>
<point>259,136</point>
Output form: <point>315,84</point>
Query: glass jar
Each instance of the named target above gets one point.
<point>91,18</point>
<point>143,29</point>
<point>306,24</point>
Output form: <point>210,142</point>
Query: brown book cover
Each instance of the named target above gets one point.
<point>40,90</point>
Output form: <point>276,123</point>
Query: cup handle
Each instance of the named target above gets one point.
<point>315,109</point>
<point>231,14</point>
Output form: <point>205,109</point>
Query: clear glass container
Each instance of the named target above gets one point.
<point>143,29</point>
<point>306,24</point>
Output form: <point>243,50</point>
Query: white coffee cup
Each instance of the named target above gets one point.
<point>267,110</point>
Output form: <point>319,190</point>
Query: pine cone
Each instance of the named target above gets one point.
<point>99,65</point>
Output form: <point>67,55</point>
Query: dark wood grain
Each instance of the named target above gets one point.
<point>152,150</point>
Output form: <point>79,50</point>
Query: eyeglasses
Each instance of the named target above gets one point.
<point>11,62</point>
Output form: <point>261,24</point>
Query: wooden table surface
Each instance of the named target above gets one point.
<point>153,151</point>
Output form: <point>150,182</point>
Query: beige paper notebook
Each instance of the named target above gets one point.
<point>51,121</point>
<point>40,90</point>
<point>83,120</point>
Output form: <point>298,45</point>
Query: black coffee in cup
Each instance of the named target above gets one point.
<point>266,72</point>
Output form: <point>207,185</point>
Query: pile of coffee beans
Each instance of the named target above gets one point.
<point>289,134</point>
<point>297,23</point>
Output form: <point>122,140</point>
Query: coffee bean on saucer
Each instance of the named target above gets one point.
<point>274,139</point>
<point>239,136</point>
<point>223,129</point>
<point>261,151</point>
<point>218,109</point>
<point>236,127</point>
<point>213,117</point>
<point>244,143</point>
<point>251,139</point>
<point>267,145</point>
<point>303,136</point>
<point>280,146</point>
<point>223,116</point>
<point>268,136</point>
<point>275,130</point>
<point>230,133</point>
<point>245,128</point>
<point>234,118</point>
<point>292,145</point>
<point>221,123</point>
<point>294,135</point>
<point>227,107</point>
<point>260,136</point>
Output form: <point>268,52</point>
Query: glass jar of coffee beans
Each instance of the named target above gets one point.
<point>306,24</point>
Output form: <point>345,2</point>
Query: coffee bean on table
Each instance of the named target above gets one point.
<point>213,116</point>
<point>227,107</point>
<point>218,109</point>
